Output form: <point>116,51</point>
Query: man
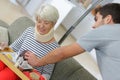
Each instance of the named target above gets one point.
<point>105,39</point>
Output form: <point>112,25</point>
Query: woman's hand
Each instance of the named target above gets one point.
<point>3,45</point>
<point>32,59</point>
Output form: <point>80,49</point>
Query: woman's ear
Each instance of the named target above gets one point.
<point>108,19</point>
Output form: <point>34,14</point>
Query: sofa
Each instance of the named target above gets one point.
<point>68,69</point>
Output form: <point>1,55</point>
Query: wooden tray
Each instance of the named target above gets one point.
<point>10,64</point>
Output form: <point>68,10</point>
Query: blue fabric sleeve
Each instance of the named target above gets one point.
<point>90,40</point>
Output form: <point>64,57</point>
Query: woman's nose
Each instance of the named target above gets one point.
<point>41,25</point>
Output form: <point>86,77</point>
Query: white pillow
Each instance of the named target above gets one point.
<point>3,34</point>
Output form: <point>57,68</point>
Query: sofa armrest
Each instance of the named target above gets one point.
<point>70,69</point>
<point>4,24</point>
<point>4,31</point>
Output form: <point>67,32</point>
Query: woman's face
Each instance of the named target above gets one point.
<point>43,26</point>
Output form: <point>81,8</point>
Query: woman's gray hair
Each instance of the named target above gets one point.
<point>48,12</point>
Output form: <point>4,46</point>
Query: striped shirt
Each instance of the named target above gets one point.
<point>27,42</point>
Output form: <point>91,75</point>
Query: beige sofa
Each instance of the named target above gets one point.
<point>68,69</point>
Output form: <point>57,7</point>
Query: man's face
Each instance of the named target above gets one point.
<point>98,20</point>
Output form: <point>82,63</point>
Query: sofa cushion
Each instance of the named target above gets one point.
<point>70,69</point>
<point>3,34</point>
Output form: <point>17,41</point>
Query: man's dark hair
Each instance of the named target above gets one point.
<point>112,9</point>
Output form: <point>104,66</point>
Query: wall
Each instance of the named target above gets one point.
<point>63,9</point>
<point>83,26</point>
<point>32,6</point>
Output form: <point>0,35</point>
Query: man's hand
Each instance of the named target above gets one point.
<point>32,59</point>
<point>3,45</point>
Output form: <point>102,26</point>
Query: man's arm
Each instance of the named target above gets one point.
<point>56,55</point>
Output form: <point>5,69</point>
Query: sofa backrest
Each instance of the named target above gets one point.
<point>70,69</point>
<point>18,26</point>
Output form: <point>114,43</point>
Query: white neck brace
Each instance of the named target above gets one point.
<point>44,38</point>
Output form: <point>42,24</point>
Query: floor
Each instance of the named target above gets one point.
<point>10,12</point>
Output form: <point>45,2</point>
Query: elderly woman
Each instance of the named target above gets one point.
<point>39,40</point>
